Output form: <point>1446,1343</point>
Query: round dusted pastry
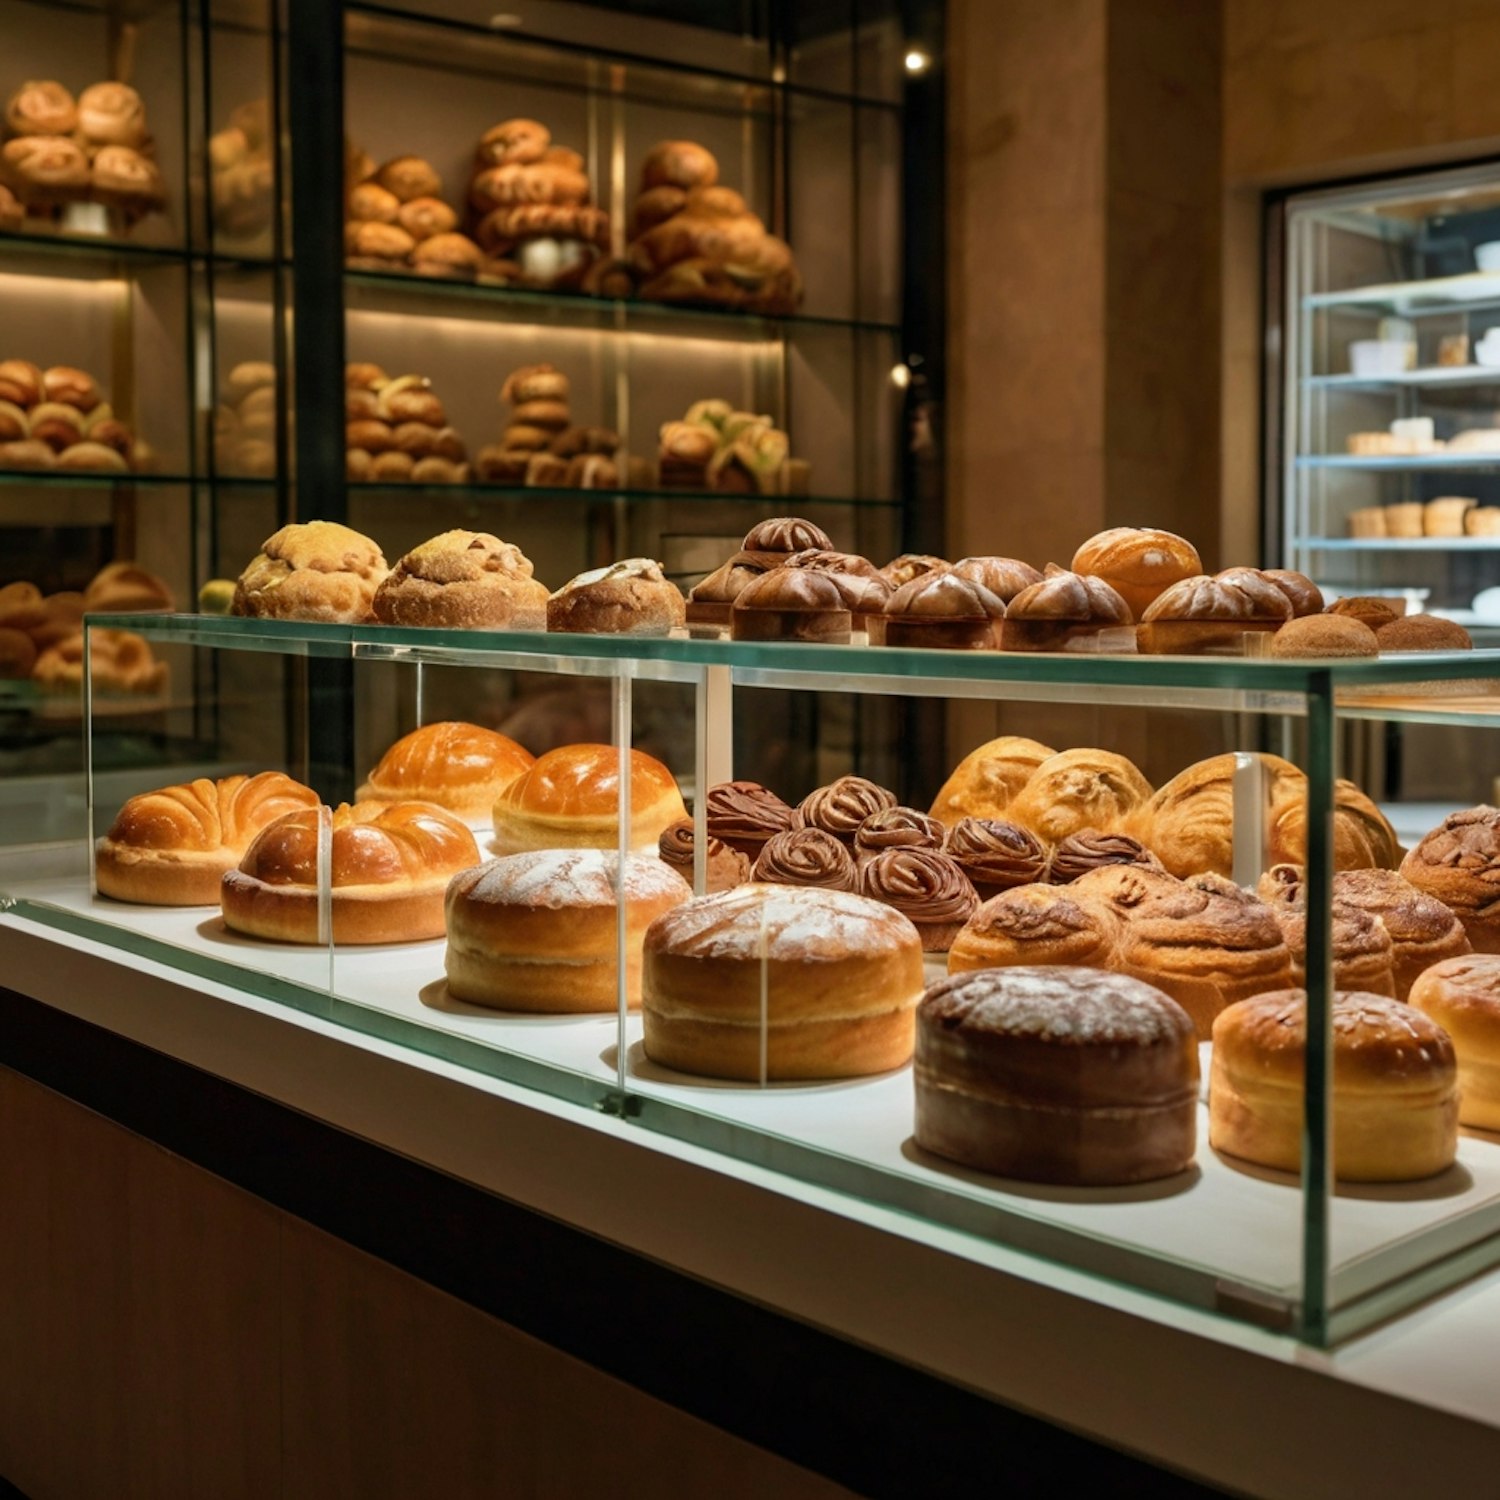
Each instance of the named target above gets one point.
<point>1305,596</point>
<point>896,828</point>
<point>461,768</point>
<point>41,107</point>
<point>791,604</point>
<point>538,931</point>
<point>1324,636</point>
<point>463,580</point>
<point>1459,864</point>
<point>840,807</point>
<point>111,114</point>
<point>1004,577</point>
<point>1395,1087</point>
<point>987,780</point>
<point>1370,608</point>
<point>1037,924</point>
<point>172,847</point>
<point>633,597</point>
<point>1054,1074</point>
<point>806,856</point>
<point>996,855</point>
<point>389,865</point>
<point>1423,633</point>
<point>679,164</point>
<point>1423,931</point>
<point>1078,789</point>
<point>1203,614</point>
<point>771,542</point>
<point>942,609</point>
<point>924,885</point>
<point>781,982</point>
<point>1462,995</point>
<point>44,169</point>
<point>1092,849</point>
<point>1139,562</point>
<point>724,868</point>
<point>711,601</point>
<point>1205,941</point>
<point>745,814</point>
<point>1064,612</point>
<point>570,799</point>
<point>312,570</point>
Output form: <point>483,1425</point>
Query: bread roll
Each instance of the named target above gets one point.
<point>744,814</point>
<point>1395,1095</point>
<point>569,799</point>
<point>41,107</point>
<point>21,382</point>
<point>944,610</point>
<point>791,604</point>
<point>459,767</point>
<point>1324,636</point>
<point>410,177</point>
<point>711,601</point>
<point>463,580</point>
<point>724,867</point>
<point>1004,577</point>
<point>17,655</point>
<point>1065,611</point>
<point>120,663</point>
<point>127,179</point>
<point>900,571</point>
<point>987,780</point>
<point>1459,864</point>
<point>1078,789</point>
<point>1462,995</point>
<point>632,597</point>
<point>1305,596</point>
<point>1363,957</point>
<point>389,865</point>
<point>1138,562</point>
<point>1374,611</point>
<point>172,847</point>
<point>43,170</point>
<point>1423,633</point>
<point>124,587</point>
<point>1056,1075</point>
<point>781,982</point>
<point>771,542</point>
<point>1037,924</point>
<point>518,140</point>
<point>680,164</point>
<point>1211,614</point>
<point>806,856</point>
<point>111,114</point>
<point>312,570</point>
<point>538,931</point>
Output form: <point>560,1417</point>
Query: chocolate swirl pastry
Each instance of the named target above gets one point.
<point>896,828</point>
<point>996,855</point>
<point>806,856</point>
<point>927,887</point>
<point>786,534</point>
<point>744,814</point>
<point>1090,848</point>
<point>727,867</point>
<point>841,806</point>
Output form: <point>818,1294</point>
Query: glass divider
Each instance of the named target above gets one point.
<point>1250,791</point>
<point>621,715</point>
<point>325,887</point>
<point>88,758</point>
<point>1317,1128</point>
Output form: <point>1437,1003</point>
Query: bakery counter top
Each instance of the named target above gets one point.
<point>1236,1405</point>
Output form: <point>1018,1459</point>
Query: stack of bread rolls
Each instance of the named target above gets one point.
<point>397,430</point>
<point>244,427</point>
<point>695,240</point>
<point>92,149</point>
<point>58,419</point>
<point>397,221</point>
<point>242,174</point>
<point>541,445</point>
<point>529,208</point>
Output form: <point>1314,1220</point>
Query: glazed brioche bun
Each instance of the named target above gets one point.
<point>389,867</point>
<point>569,799</point>
<point>1138,562</point>
<point>461,768</point>
<point>1462,995</point>
<point>171,847</point>
<point>835,977</point>
<point>537,931</point>
<point>1395,1087</point>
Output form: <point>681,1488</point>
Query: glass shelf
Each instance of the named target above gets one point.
<point>1440,294</point>
<point>70,479</point>
<point>1439,377</point>
<point>385,291</point>
<point>502,493</point>
<point>91,258</point>
<point>1399,462</point>
<point>1398,543</point>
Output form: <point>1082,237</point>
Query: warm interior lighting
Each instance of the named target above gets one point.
<point>901,376</point>
<point>505,20</point>
<point>917,61</point>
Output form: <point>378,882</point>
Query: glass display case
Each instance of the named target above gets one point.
<point>1292,1251</point>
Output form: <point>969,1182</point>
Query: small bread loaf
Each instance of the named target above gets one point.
<point>538,931</point>
<point>791,604</point>
<point>771,542</point>
<point>1078,789</point>
<point>312,570</point>
<point>632,597</point>
<point>388,867</point>
<point>1462,995</point>
<point>172,847</point>
<point>125,587</point>
<point>461,768</point>
<point>1324,636</point>
<point>1395,1087</point>
<point>943,609</point>
<point>1138,562</point>
<point>1056,1075</point>
<point>1423,633</point>
<point>1459,864</point>
<point>1065,611</point>
<point>1004,577</point>
<point>987,780</point>
<point>1211,614</point>
<point>1305,596</point>
<point>463,580</point>
<point>781,982</point>
<point>1037,924</point>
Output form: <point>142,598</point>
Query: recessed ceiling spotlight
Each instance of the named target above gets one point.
<point>917,61</point>
<point>901,376</point>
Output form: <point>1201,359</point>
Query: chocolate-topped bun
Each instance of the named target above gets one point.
<point>790,604</point>
<point>900,571</point>
<point>1004,577</point>
<point>1056,1075</point>
<point>927,887</point>
<point>896,828</point>
<point>1038,924</point>
<point>943,610</point>
<point>1459,863</point>
<point>1079,789</point>
<point>744,814</point>
<point>772,542</point>
<point>1092,848</point>
<point>1306,597</point>
<point>1064,612</point>
<point>633,597</point>
<point>806,856</point>
<point>726,867</point>
<point>711,601</point>
<point>997,855</point>
<point>840,807</point>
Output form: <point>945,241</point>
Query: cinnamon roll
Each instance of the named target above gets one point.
<point>806,856</point>
<point>841,806</point>
<point>744,814</point>
<point>927,887</point>
<point>1091,848</point>
<point>997,855</point>
<point>725,869</point>
<point>896,828</point>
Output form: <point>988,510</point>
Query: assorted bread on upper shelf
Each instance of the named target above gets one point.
<point>528,220</point>
<point>57,418</point>
<point>787,583</point>
<point>61,151</point>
